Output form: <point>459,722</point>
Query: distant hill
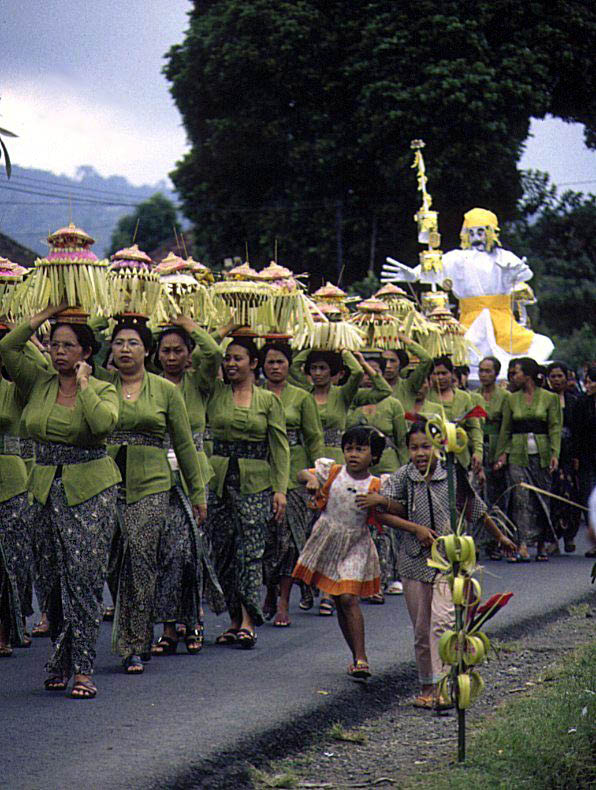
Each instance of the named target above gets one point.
<point>15,252</point>
<point>36,202</point>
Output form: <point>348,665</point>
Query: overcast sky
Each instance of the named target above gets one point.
<point>81,83</point>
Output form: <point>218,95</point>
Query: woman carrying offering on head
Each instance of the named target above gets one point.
<point>73,483</point>
<point>189,358</point>
<point>407,389</point>
<point>151,408</point>
<point>251,462</point>
<point>305,437</point>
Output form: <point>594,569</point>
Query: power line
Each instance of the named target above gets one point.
<point>55,183</point>
<point>66,197</point>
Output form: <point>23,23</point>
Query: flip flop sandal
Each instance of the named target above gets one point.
<point>359,671</point>
<point>326,607</point>
<point>55,683</point>
<point>246,639</point>
<point>40,630</point>
<point>427,703</point>
<point>542,557</point>
<point>85,686</point>
<point>194,639</point>
<point>377,598</point>
<point>5,651</point>
<point>518,558</point>
<point>282,623</point>
<point>307,600</point>
<point>133,665</point>
<point>165,646</point>
<point>229,637</point>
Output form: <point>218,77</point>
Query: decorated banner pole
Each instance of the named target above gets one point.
<point>459,614</point>
<point>454,555</point>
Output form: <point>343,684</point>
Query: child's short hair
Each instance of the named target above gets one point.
<point>365,435</point>
<point>417,427</point>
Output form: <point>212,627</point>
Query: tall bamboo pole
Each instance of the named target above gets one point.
<point>459,613</point>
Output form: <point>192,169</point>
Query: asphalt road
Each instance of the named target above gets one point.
<point>185,712</point>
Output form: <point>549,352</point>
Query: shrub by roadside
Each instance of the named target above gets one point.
<point>408,748</point>
<point>545,740</point>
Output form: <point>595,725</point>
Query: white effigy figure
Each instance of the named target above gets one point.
<point>482,275</point>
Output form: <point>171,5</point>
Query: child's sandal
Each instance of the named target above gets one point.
<point>326,607</point>
<point>359,670</point>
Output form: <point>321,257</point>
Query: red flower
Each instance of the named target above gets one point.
<point>483,612</point>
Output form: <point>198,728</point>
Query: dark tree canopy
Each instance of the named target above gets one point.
<point>557,235</point>
<point>300,114</point>
<point>156,218</point>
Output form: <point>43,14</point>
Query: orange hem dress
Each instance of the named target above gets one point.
<point>340,556</point>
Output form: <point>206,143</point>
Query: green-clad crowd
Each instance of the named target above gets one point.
<point>127,486</point>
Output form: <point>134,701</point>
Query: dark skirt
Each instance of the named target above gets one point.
<point>286,539</point>
<point>141,524</point>
<point>15,566</point>
<point>565,518</point>
<point>78,537</point>
<point>186,574</point>
<point>237,527</point>
<point>530,510</point>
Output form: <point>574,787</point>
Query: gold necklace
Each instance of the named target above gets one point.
<point>67,394</point>
<point>128,395</point>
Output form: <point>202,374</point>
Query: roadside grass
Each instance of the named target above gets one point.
<point>338,733</point>
<point>261,779</point>
<point>579,609</point>
<point>546,740</point>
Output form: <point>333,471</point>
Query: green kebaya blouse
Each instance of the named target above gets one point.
<point>13,470</point>
<point>334,412</point>
<point>460,405</point>
<point>302,415</point>
<point>492,424</point>
<point>197,385</point>
<point>87,424</point>
<point>388,417</point>
<point>405,390</point>
<point>158,410</point>
<point>263,420</point>
<point>544,406</point>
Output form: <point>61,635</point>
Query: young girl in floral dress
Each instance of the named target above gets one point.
<point>340,557</point>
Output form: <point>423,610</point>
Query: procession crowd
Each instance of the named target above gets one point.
<point>185,474</point>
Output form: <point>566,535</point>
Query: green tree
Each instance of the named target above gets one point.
<point>557,235</point>
<point>300,115</point>
<point>156,219</point>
